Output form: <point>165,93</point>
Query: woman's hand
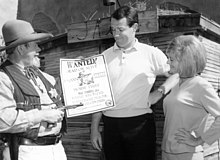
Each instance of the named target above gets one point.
<point>185,137</point>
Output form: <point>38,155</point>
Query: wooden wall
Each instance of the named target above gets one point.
<point>77,141</point>
<point>54,15</point>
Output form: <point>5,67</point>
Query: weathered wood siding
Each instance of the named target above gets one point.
<point>77,140</point>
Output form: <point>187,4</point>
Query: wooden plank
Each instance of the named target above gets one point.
<point>210,25</point>
<point>89,30</point>
<point>100,28</point>
<point>212,74</point>
<point>148,22</point>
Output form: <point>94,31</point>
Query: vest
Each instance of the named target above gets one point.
<point>24,91</point>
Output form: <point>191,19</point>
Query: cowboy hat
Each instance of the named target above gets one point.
<point>17,32</point>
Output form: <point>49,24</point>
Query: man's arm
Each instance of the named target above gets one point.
<point>13,120</point>
<point>95,135</point>
<point>157,94</point>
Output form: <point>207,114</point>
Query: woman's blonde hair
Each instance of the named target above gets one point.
<point>190,53</point>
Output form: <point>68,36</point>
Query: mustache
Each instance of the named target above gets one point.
<point>38,56</point>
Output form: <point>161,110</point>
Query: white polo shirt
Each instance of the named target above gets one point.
<point>132,73</point>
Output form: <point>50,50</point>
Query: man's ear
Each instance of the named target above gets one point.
<point>21,49</point>
<point>135,27</point>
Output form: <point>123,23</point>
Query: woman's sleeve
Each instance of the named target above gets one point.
<point>211,103</point>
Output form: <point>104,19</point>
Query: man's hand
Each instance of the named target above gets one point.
<point>96,139</point>
<point>170,82</point>
<point>95,136</point>
<point>154,97</point>
<point>52,115</point>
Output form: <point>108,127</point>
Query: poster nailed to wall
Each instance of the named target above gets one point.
<point>86,84</point>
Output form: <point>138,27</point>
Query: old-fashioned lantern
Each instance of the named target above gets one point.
<point>109,2</point>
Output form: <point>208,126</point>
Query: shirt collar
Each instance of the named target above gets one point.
<point>18,66</point>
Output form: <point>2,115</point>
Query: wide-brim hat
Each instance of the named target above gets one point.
<point>17,32</point>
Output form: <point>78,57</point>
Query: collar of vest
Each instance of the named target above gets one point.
<point>19,78</point>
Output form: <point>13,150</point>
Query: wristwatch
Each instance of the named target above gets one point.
<point>161,89</point>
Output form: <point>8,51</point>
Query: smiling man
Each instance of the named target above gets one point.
<point>129,127</point>
<point>32,131</point>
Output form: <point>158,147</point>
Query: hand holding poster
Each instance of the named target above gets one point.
<point>86,82</point>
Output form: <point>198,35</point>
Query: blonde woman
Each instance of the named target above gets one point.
<point>188,104</point>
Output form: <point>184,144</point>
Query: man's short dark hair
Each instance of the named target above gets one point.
<point>127,12</point>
